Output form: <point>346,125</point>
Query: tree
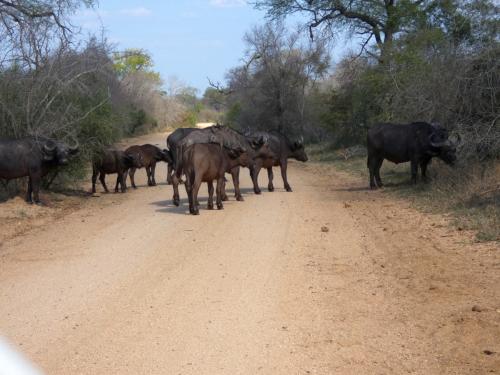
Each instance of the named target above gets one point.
<point>270,90</point>
<point>378,20</point>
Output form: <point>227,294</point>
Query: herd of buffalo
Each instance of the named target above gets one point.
<point>206,155</point>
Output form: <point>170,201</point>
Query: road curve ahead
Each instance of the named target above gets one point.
<point>329,279</point>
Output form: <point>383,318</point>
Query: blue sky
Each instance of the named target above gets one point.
<point>188,39</point>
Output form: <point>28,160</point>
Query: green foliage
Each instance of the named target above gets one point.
<point>132,61</point>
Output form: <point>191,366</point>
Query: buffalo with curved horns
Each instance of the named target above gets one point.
<point>32,157</point>
<point>417,143</point>
<point>281,149</point>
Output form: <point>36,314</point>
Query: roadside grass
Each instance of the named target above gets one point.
<point>470,194</point>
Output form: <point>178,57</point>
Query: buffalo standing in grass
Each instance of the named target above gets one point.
<point>417,143</point>
<point>114,161</point>
<point>150,156</point>
<point>281,149</point>
<point>32,157</point>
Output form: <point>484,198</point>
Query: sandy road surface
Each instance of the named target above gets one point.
<point>129,284</point>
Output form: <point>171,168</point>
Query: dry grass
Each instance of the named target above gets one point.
<point>470,194</point>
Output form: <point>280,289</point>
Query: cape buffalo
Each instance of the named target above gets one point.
<point>172,140</point>
<point>217,135</point>
<point>281,149</point>
<point>258,148</point>
<point>206,163</point>
<point>417,143</point>
<point>150,156</point>
<point>114,161</point>
<point>32,157</point>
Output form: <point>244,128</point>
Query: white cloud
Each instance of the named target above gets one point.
<point>227,3</point>
<point>136,12</point>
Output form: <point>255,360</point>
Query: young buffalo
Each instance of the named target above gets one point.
<point>205,162</point>
<point>114,161</point>
<point>150,156</point>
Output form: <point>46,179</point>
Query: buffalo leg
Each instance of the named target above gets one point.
<point>220,184</point>
<point>423,169</point>
<point>117,182</point>
<point>377,173</point>
<point>169,174</point>
<point>372,167</point>
<point>210,204</point>
<point>123,181</point>
<point>414,171</point>
<point>235,174</point>
<point>148,173</point>
<point>195,188</point>
<point>102,178</point>
<point>175,185</point>
<point>132,177</point>
<point>152,174</point>
<point>254,174</point>
<point>189,190</point>
<point>29,191</point>
<point>224,195</point>
<point>35,187</point>
<point>283,166</point>
<point>270,175</point>
<point>95,172</point>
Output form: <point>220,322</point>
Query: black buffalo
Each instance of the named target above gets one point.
<point>417,143</point>
<point>32,157</point>
<point>150,155</point>
<point>257,147</point>
<point>172,140</point>
<point>114,161</point>
<point>221,136</point>
<point>281,149</point>
<point>205,162</point>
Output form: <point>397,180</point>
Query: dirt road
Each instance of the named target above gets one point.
<point>329,279</point>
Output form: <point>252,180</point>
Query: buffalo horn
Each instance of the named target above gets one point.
<point>75,146</point>
<point>49,146</point>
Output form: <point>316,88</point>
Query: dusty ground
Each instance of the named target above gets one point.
<point>329,279</point>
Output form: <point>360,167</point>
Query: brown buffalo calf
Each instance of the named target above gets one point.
<point>205,163</point>
<point>113,161</point>
<point>150,156</point>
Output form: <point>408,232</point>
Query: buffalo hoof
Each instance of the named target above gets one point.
<point>220,206</point>
<point>194,212</point>
<point>210,206</point>
<point>239,198</point>
<point>225,198</point>
<point>176,202</point>
<point>289,189</point>
<point>270,188</point>
<point>257,191</point>
<point>134,187</point>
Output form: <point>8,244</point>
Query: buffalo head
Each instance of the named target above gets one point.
<point>58,152</point>
<point>443,147</point>
<point>166,156</point>
<point>298,150</point>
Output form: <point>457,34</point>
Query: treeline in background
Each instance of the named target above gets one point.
<point>56,82</point>
<point>420,60</point>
